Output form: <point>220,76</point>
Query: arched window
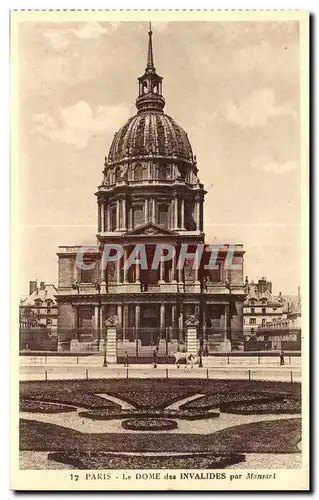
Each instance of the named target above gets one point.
<point>138,172</point>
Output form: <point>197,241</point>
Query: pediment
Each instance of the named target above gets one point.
<point>150,229</point>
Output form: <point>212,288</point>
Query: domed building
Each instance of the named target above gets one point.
<point>150,194</point>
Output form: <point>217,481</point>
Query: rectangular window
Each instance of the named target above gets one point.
<point>215,274</point>
<point>252,310</point>
<point>85,317</point>
<point>163,216</point>
<point>263,310</point>
<point>252,321</point>
<point>138,216</point>
<point>87,276</point>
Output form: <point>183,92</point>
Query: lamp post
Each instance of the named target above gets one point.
<point>200,364</point>
<point>105,335</point>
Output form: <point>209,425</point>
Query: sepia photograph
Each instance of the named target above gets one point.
<point>160,309</point>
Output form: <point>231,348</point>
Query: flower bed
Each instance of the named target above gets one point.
<point>43,407</point>
<point>81,460</point>
<point>109,414</point>
<point>75,398</point>
<point>291,406</point>
<point>149,424</point>
<point>158,396</point>
<point>211,401</point>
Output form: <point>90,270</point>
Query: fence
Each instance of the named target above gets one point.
<point>78,372</point>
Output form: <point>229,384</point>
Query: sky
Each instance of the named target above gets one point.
<point>233,86</point>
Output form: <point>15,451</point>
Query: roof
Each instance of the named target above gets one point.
<point>48,292</point>
<point>150,133</point>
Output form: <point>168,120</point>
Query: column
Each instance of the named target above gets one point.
<point>101,322</point>
<point>196,311</point>
<point>125,321</point>
<point>182,213</point>
<point>117,214</point>
<point>137,317</point>
<point>173,269</point>
<point>162,317</point>
<point>124,224</point>
<point>153,211</point>
<point>109,218</point>
<point>137,273</point>
<point>162,270</point>
<point>125,269</point>
<point>96,320</point>
<point>118,271</point>
<point>119,314</point>
<point>102,217</point>
<point>174,317</point>
<point>197,215</point>
<point>175,213</point>
<point>146,210</point>
<point>226,322</point>
<point>181,323</point>
<point>99,218</point>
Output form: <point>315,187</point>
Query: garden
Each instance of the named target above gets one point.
<point>150,414</point>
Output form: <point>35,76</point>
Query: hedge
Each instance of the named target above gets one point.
<point>149,424</point>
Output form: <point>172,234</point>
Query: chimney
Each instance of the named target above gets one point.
<point>42,285</point>
<point>33,285</point>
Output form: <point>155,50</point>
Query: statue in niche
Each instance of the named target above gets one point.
<point>111,271</point>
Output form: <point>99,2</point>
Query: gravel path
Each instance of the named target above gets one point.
<point>177,404</point>
<point>124,404</point>
<point>270,461</point>
<point>205,426</point>
<point>38,460</point>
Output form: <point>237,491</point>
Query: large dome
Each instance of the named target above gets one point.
<point>150,132</point>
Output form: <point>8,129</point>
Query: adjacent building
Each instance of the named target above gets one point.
<point>261,306</point>
<point>38,317</point>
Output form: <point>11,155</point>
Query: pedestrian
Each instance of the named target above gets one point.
<point>126,359</point>
<point>282,358</point>
<point>155,358</point>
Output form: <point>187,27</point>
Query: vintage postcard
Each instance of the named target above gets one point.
<point>160,309</point>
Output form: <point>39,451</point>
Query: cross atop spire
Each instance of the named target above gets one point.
<point>150,60</point>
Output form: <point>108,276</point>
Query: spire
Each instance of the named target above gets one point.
<point>150,96</point>
<point>150,60</point>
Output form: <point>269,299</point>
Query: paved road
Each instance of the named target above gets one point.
<point>82,371</point>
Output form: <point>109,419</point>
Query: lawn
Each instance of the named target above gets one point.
<point>147,393</point>
<point>279,436</point>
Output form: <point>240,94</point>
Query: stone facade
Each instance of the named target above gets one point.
<point>150,193</point>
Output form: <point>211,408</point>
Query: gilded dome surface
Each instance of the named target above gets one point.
<point>150,132</point>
